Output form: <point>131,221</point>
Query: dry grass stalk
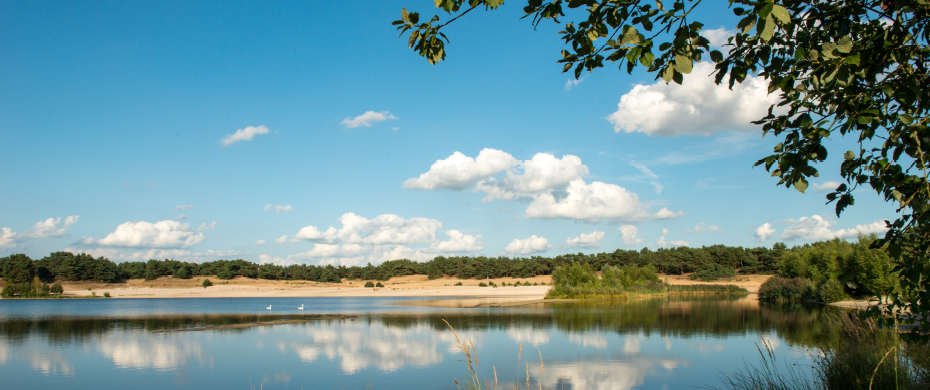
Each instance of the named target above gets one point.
<point>541,365</point>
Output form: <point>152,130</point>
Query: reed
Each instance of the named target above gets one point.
<point>475,382</point>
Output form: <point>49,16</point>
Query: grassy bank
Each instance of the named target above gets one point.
<point>581,282</point>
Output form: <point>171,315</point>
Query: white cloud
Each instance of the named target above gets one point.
<point>817,228</point>
<point>665,213</point>
<point>281,239</point>
<point>532,244</point>
<point>629,233</point>
<point>702,227</point>
<point>697,107</point>
<point>458,242</point>
<point>588,202</point>
<point>204,226</point>
<point>367,119</point>
<point>163,234</point>
<point>181,216</point>
<point>279,208</point>
<point>764,231</point>
<point>383,229</point>
<point>260,242</point>
<point>528,335</point>
<point>119,254</point>
<point>825,186</point>
<point>459,171</point>
<point>184,207</point>
<point>718,36</point>
<point>554,186</point>
<point>542,174</point>
<point>586,240</point>
<point>7,238</point>
<point>572,83</point>
<point>245,134</point>
<point>663,243</point>
<point>267,259</point>
<point>49,228</point>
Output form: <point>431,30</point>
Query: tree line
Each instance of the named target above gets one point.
<point>857,266</point>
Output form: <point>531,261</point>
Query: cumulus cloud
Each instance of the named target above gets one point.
<point>764,231</point>
<point>554,187</point>
<point>718,36</point>
<point>665,213</point>
<point>49,228</point>
<point>586,240</point>
<point>279,208</point>
<point>572,83</point>
<point>702,227</point>
<point>184,207</point>
<point>383,229</point>
<point>367,119</point>
<point>817,228</point>
<point>663,243</point>
<point>163,234</point>
<point>459,171</point>
<point>281,239</point>
<point>245,134</point>
<point>182,216</point>
<point>630,235</point>
<point>825,186</point>
<point>697,107</point>
<point>588,202</point>
<point>532,244</point>
<point>121,254</point>
<point>458,242</point>
<point>260,242</point>
<point>204,226</point>
<point>543,173</point>
<point>7,238</point>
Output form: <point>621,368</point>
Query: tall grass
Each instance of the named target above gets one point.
<point>860,357</point>
<point>474,381</point>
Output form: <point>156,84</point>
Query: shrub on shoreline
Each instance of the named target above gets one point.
<point>779,289</point>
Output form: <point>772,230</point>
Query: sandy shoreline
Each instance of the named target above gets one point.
<point>405,286</point>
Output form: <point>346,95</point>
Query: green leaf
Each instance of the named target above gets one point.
<point>716,56</point>
<point>768,30</point>
<point>781,14</point>
<point>906,119</point>
<point>845,44</point>
<point>667,74</point>
<point>849,155</point>
<point>683,64</point>
<point>647,58</point>
<point>801,185</point>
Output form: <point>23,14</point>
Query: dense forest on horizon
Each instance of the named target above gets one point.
<point>868,269</point>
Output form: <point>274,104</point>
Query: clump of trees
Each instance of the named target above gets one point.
<point>856,268</point>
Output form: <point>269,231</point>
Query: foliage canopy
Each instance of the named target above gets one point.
<point>855,68</point>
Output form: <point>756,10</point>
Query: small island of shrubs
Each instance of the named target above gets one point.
<point>582,282</point>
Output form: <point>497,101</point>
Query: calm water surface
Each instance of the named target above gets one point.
<point>665,343</point>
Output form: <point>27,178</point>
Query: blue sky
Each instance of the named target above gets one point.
<point>114,116</point>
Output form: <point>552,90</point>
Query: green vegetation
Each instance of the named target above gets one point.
<point>457,284</point>
<point>581,282</point>
<point>713,272</point>
<point>369,284</point>
<point>831,290</point>
<point>861,357</point>
<point>779,289</point>
<point>206,283</point>
<point>379,284</point>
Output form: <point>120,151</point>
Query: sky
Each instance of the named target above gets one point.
<point>307,132</point>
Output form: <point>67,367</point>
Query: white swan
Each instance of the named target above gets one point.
<point>269,307</point>
<point>301,307</point>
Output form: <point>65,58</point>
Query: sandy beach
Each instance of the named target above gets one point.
<point>405,286</point>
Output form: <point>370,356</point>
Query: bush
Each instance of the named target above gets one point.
<point>779,289</point>
<point>182,273</point>
<point>7,291</point>
<point>458,284</point>
<point>206,283</point>
<point>831,290</point>
<point>106,294</point>
<point>713,272</point>
<point>482,284</point>
<point>224,274</point>
<point>379,285</point>
<point>369,284</point>
<point>57,289</point>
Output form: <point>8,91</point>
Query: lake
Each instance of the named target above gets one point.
<point>391,343</point>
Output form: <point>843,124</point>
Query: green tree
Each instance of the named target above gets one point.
<point>855,68</point>
<point>17,268</point>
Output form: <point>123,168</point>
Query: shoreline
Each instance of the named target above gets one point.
<point>404,286</point>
